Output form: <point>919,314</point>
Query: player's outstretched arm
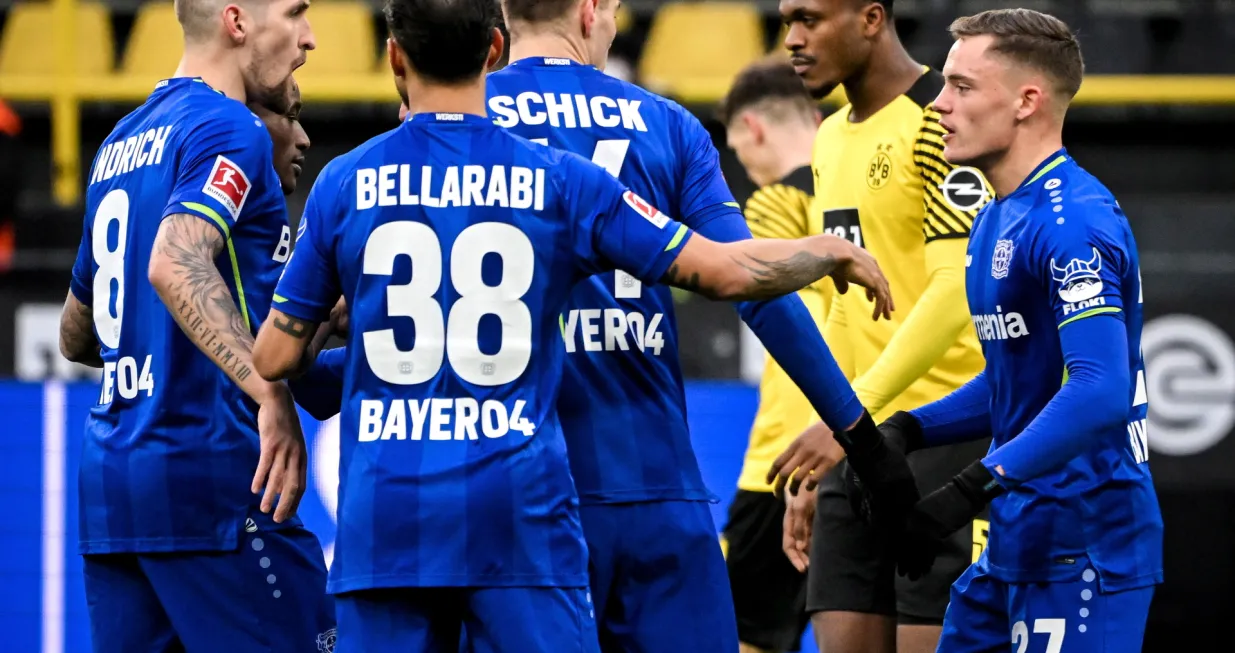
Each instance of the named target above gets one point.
<point>77,340</point>
<point>763,269</point>
<point>183,272</point>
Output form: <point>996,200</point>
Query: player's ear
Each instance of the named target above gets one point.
<point>874,18</point>
<point>587,15</point>
<point>397,64</point>
<point>234,23</point>
<point>1031,101</point>
<point>755,126</point>
<point>496,48</point>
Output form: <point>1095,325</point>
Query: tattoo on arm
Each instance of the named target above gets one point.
<point>676,278</point>
<point>77,340</point>
<point>772,278</point>
<point>198,297</point>
<point>294,326</point>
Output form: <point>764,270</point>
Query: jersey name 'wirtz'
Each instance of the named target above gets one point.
<point>565,110</point>
<point>439,418</point>
<point>129,154</point>
<point>399,185</point>
<point>1000,325</point>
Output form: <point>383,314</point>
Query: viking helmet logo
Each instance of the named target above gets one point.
<point>1078,280</point>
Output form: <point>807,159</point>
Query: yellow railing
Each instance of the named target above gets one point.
<point>68,90</point>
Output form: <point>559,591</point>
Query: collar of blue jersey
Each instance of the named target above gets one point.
<point>1056,159</point>
<point>171,82</point>
<point>449,118</point>
<point>547,62</point>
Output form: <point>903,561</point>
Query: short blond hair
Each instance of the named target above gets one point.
<point>1030,38</point>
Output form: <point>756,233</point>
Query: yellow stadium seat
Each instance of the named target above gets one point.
<point>155,44</point>
<point>695,49</point>
<point>27,47</point>
<point>343,30</point>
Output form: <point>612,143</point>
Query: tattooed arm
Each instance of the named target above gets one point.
<point>283,348</point>
<point>183,272</point>
<point>77,341</point>
<point>766,268</point>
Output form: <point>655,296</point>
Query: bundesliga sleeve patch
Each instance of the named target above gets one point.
<point>228,184</point>
<point>649,212</point>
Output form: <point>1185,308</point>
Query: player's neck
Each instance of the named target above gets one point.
<point>547,43</point>
<point>889,73</point>
<point>215,68</point>
<point>793,150</point>
<point>466,98</point>
<point>1028,151</point>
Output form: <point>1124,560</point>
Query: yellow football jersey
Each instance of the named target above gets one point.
<point>780,210</point>
<point>883,184</point>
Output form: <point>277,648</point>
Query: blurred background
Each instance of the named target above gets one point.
<point>1155,120</point>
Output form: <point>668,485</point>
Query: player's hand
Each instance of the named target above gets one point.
<point>862,269</point>
<point>339,318</point>
<point>284,461</point>
<point>882,474</point>
<point>809,458</point>
<point>799,517</point>
<point>940,514</point>
<point>903,434</point>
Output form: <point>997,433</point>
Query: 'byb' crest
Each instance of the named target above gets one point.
<point>1001,259</point>
<point>1079,280</point>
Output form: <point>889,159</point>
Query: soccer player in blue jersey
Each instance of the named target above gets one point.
<point>455,245</point>
<point>1054,288</point>
<point>185,235</point>
<point>658,576</point>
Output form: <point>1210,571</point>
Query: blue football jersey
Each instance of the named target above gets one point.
<point>623,405</point>
<point>172,445</point>
<point>455,244</point>
<point>1055,251</point>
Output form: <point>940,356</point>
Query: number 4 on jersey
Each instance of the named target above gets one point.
<point>611,155</point>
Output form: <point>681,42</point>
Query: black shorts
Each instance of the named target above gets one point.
<point>851,566</point>
<point>769,595</point>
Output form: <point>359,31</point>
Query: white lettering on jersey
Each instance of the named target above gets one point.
<point>568,111</point>
<point>615,325</point>
<point>392,185</point>
<point>128,154</point>
<point>285,245</point>
<point>1000,326</point>
<point>1138,439</point>
<point>442,419</point>
<point>122,376</point>
<point>1069,309</point>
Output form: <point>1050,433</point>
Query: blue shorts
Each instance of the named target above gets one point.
<point>658,577</point>
<point>475,620</point>
<point>1073,616</point>
<point>269,595</point>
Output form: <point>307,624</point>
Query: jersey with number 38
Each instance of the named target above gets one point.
<point>456,244</point>
<point>623,403</point>
<point>171,446</point>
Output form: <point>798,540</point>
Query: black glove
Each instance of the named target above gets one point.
<point>940,514</point>
<point>903,434</point>
<point>881,475</point>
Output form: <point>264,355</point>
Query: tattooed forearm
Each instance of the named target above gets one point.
<point>676,278</point>
<point>77,340</point>
<point>773,278</point>
<point>293,326</point>
<point>183,272</point>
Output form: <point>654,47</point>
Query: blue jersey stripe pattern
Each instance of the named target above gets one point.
<point>1049,257</point>
<point>172,444</point>
<point>456,244</point>
<point>622,407</point>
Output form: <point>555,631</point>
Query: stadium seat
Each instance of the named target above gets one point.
<point>694,49</point>
<point>345,41</point>
<point>28,49</point>
<point>155,45</point>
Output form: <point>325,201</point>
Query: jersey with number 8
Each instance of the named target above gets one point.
<point>171,445</point>
<point>623,407</point>
<point>456,245</point>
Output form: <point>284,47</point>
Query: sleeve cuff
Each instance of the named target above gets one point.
<point>81,291</point>
<point>300,310</point>
<point>202,211</point>
<point>673,247</point>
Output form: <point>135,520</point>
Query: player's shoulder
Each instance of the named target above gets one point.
<point>924,91</point>
<point>800,179</point>
<point>1069,203</point>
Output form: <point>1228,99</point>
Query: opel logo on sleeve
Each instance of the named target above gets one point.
<point>964,189</point>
